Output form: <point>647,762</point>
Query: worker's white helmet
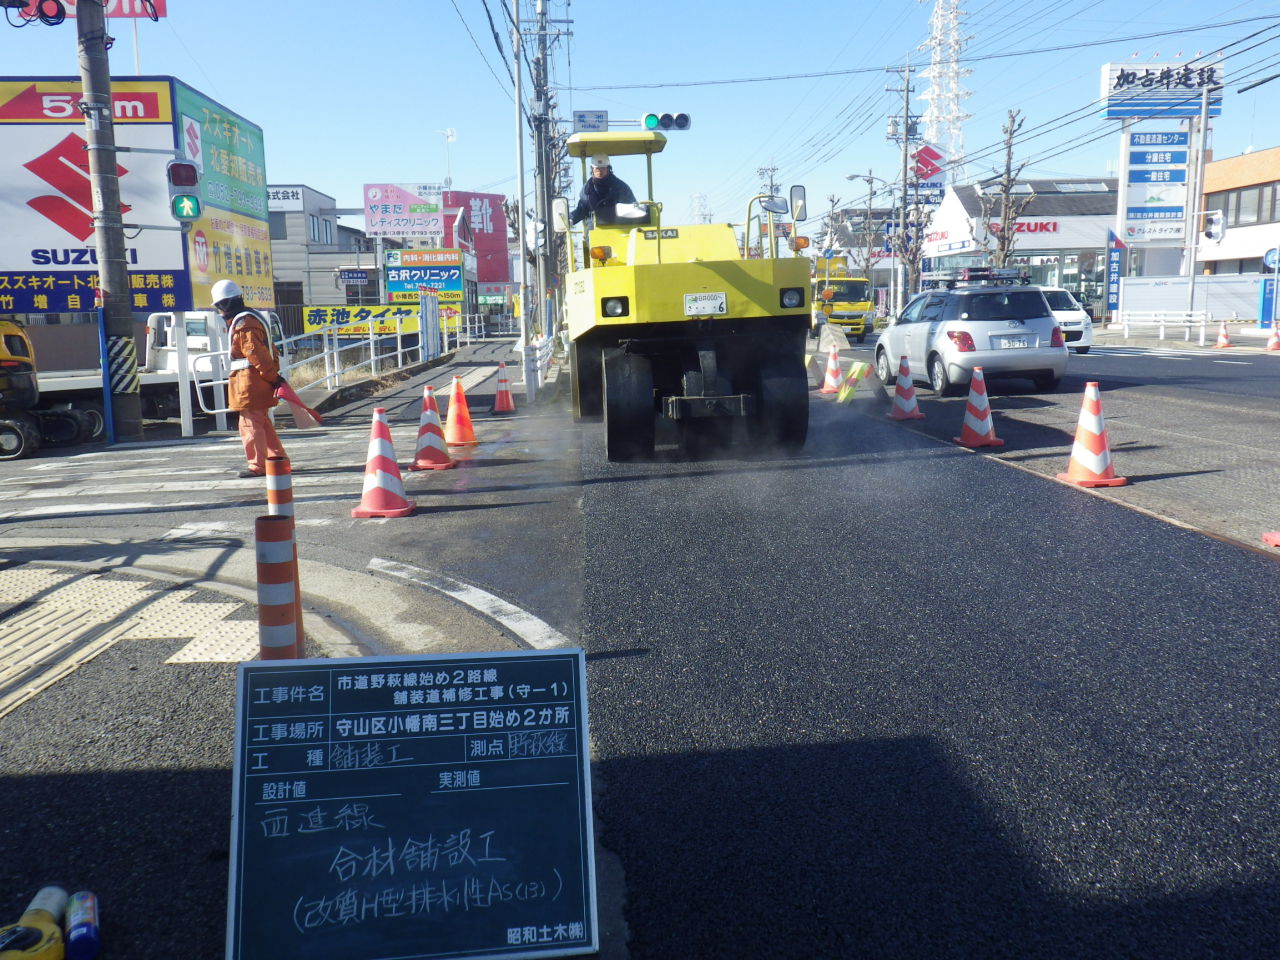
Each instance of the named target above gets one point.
<point>225,290</point>
<point>600,160</point>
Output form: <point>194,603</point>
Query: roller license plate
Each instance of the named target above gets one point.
<point>705,304</point>
<point>1013,343</point>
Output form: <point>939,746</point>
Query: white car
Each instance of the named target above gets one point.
<point>1007,330</point>
<point>1076,324</point>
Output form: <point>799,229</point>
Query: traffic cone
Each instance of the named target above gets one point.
<point>383,494</point>
<point>432,453</point>
<point>858,371</point>
<point>503,402</point>
<point>1272,539</point>
<point>978,430</point>
<point>1223,339</point>
<point>904,396</point>
<point>1273,341</point>
<point>458,431</point>
<point>831,383</point>
<point>1090,464</point>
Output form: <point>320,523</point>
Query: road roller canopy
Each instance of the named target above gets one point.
<point>616,144</point>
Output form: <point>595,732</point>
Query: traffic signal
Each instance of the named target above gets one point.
<point>184,194</point>
<point>666,121</point>
<point>1214,226</point>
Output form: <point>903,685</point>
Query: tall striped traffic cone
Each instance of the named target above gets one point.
<point>1090,464</point>
<point>503,402</point>
<point>831,383</point>
<point>1273,341</point>
<point>383,494</point>
<point>458,431</point>
<point>904,396</point>
<point>432,453</point>
<point>978,429</point>
<point>280,504</point>
<point>1224,340</point>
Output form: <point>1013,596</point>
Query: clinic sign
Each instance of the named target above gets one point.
<point>1160,90</point>
<point>409,210</point>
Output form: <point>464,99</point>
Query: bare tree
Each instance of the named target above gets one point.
<point>1000,207</point>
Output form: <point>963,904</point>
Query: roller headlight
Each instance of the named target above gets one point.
<point>615,307</point>
<point>792,297</point>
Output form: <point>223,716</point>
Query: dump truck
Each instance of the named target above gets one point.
<point>681,326</point>
<point>842,299</point>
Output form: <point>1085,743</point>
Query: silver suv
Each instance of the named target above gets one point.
<point>1006,329</point>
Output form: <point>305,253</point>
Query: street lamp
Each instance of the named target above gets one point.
<point>450,135</point>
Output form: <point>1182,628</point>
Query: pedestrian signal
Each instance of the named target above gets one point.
<point>1214,226</point>
<point>184,198</point>
<point>666,121</point>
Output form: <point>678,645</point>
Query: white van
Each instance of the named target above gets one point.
<point>1077,325</point>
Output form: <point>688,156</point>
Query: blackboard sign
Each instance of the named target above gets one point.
<point>412,807</point>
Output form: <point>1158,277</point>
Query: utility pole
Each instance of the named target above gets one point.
<point>907,284</point>
<point>530,363</point>
<point>120,363</point>
<point>1195,196</point>
<point>541,202</point>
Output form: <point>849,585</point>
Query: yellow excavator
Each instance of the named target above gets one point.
<point>683,325</point>
<point>23,427</point>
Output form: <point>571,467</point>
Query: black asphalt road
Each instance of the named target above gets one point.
<point>890,699</point>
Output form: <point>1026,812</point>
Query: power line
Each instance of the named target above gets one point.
<point>481,52</point>
<point>990,56</point>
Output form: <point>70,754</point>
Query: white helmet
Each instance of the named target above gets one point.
<point>225,290</point>
<point>600,160</point>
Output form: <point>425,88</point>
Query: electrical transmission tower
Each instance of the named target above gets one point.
<point>944,120</point>
<point>698,212</point>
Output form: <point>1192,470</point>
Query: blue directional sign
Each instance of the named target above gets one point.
<point>1158,157</point>
<point>1157,175</point>
<point>1271,258</point>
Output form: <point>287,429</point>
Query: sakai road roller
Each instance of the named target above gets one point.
<point>678,324</point>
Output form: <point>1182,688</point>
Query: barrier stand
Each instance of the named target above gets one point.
<point>277,587</point>
<point>280,504</point>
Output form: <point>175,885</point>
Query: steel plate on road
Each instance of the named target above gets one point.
<point>705,304</point>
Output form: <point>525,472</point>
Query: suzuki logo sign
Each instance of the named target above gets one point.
<point>65,167</point>
<point>928,163</point>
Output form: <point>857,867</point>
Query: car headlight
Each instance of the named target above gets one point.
<point>791,297</point>
<point>615,307</point>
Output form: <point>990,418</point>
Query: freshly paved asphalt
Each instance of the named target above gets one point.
<point>883,699</point>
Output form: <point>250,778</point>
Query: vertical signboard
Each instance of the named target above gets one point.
<point>412,808</point>
<point>1155,171</point>
<point>488,222</point>
<point>231,240</point>
<point>1115,270</point>
<point>409,210</point>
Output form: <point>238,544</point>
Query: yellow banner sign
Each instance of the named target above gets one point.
<point>352,321</point>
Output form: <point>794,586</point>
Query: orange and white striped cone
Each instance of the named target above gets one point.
<point>1090,464</point>
<point>831,383</point>
<point>383,494</point>
<point>432,454</point>
<point>458,431</point>
<point>978,429</point>
<point>1273,341</point>
<point>277,567</point>
<point>1224,339</point>
<point>904,396</point>
<point>280,504</point>
<point>503,402</point>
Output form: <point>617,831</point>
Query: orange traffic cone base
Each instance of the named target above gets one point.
<point>990,442</point>
<point>420,465</point>
<point>1271,539</point>
<point>365,513</point>
<point>1107,482</point>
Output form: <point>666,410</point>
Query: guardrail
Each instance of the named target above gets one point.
<point>1163,319</point>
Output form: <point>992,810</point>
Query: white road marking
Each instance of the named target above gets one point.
<point>532,631</point>
<point>1245,363</point>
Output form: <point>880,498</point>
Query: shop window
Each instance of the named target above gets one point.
<point>1247,206</point>
<point>277,226</point>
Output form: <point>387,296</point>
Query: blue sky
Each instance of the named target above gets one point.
<point>349,93</point>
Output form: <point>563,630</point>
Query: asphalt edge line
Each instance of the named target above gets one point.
<point>525,628</point>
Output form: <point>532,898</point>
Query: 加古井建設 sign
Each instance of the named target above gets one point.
<point>412,807</point>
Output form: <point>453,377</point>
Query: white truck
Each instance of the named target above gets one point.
<point>194,340</point>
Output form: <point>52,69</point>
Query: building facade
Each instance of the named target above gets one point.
<point>1246,189</point>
